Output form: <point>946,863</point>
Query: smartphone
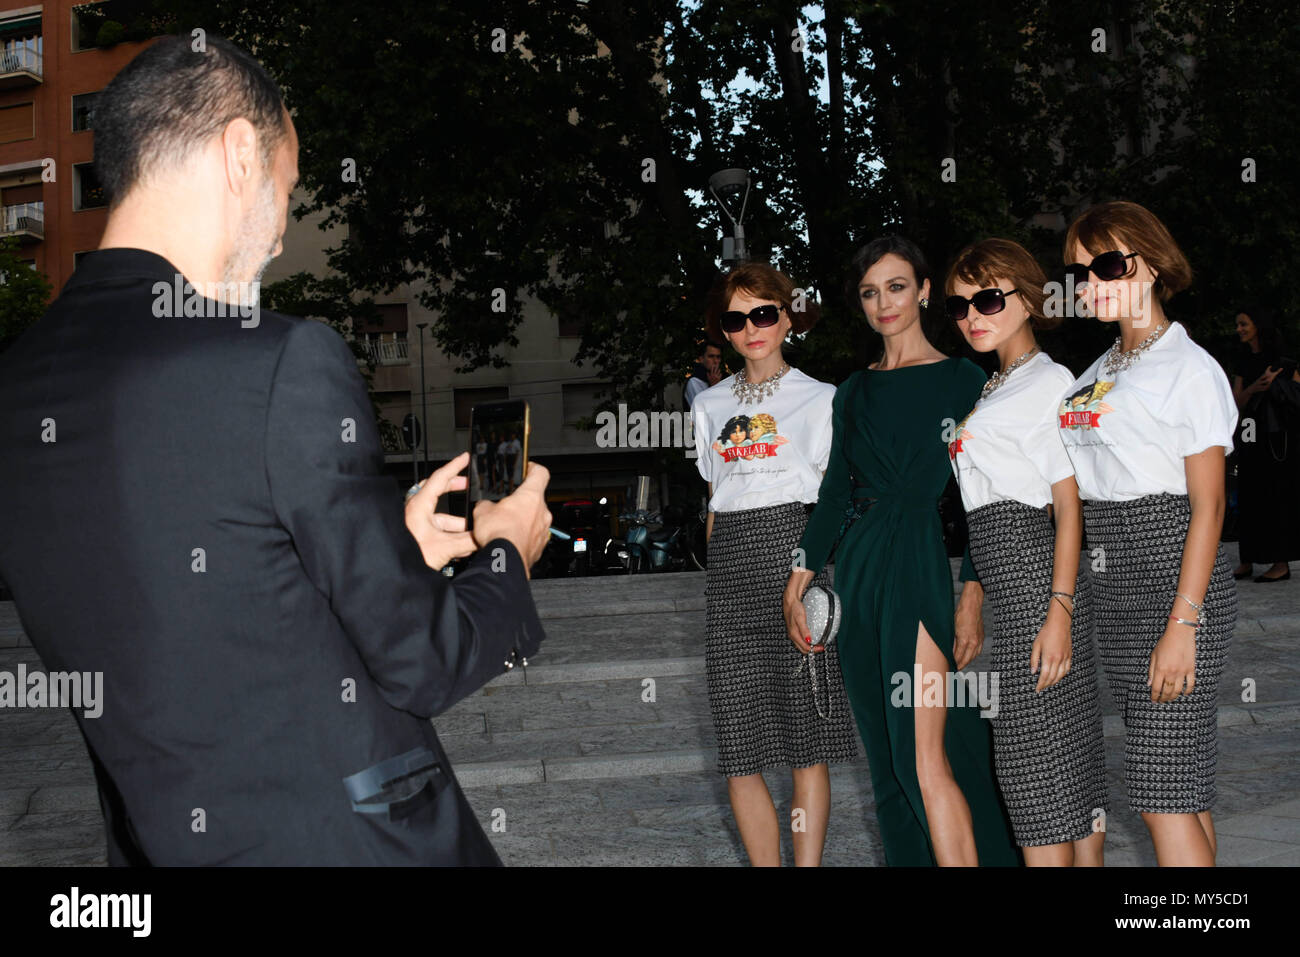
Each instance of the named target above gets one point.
<point>498,451</point>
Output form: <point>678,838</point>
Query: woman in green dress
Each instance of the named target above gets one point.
<point>930,751</point>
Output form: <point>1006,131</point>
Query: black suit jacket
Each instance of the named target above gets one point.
<point>195,507</point>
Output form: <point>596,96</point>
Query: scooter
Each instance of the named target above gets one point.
<point>671,546</point>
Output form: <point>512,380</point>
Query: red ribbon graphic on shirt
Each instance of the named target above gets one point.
<point>1074,420</point>
<point>748,451</point>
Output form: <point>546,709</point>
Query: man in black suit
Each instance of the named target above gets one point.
<point>192,503</point>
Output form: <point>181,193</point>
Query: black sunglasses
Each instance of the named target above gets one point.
<point>987,302</point>
<point>760,316</point>
<point>1107,266</point>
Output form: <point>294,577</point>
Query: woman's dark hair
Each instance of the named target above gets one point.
<point>171,99</point>
<point>1270,337</point>
<point>735,420</point>
<point>910,252</point>
<point>877,249</point>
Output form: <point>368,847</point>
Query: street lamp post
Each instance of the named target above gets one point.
<point>726,185</point>
<point>424,408</point>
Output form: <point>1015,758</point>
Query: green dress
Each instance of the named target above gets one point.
<point>889,455</point>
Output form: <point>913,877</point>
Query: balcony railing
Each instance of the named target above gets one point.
<point>20,67</point>
<point>26,221</point>
<point>390,353</point>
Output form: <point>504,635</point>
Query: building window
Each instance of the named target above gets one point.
<point>17,122</point>
<point>466,399</point>
<point>570,326</point>
<point>580,400</point>
<point>21,44</point>
<point>83,105</point>
<point>384,337</point>
<point>87,192</point>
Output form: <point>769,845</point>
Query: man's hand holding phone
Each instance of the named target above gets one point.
<point>440,535</point>
<point>521,518</point>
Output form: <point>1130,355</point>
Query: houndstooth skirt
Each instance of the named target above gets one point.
<point>761,699</point>
<point>1047,746</point>
<point>1169,747</point>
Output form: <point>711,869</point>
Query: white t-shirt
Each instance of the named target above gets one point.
<point>694,386</point>
<point>765,453</point>
<point>1127,434</point>
<point>1008,448</point>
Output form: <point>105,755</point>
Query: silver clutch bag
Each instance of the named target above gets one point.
<point>821,606</point>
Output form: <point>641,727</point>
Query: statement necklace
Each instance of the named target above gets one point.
<point>997,378</point>
<point>1117,361</point>
<point>746,391</point>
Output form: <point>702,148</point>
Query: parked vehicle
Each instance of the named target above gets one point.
<point>655,541</point>
<point>587,524</point>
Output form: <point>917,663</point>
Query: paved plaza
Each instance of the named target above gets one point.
<point>602,752</point>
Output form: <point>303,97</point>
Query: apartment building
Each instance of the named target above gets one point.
<point>54,58</point>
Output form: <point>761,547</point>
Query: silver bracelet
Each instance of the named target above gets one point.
<point>1069,609</point>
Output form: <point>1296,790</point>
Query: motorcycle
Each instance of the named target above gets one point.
<point>675,544</point>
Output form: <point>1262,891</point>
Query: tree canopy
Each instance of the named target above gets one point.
<point>562,150</point>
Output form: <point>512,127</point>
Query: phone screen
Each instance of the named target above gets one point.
<point>498,451</point>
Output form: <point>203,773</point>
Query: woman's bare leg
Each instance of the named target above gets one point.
<point>1088,852</point>
<point>1180,840</point>
<point>756,818</point>
<point>1050,855</point>
<point>810,813</point>
<point>952,832</point>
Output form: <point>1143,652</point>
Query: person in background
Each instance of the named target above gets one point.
<point>707,372</point>
<point>1267,443</point>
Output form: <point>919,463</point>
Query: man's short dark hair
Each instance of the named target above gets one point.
<point>170,100</point>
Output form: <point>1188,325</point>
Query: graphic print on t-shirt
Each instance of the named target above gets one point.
<point>749,437</point>
<point>954,447</point>
<point>1084,409</point>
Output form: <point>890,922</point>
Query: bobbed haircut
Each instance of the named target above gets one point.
<point>170,100</point>
<point>1100,228</point>
<point>760,281</point>
<point>993,260</point>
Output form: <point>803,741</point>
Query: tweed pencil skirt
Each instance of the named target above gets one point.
<point>761,699</point>
<point>1047,746</point>
<point>1169,747</point>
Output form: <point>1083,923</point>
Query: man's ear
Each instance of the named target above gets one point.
<point>240,155</point>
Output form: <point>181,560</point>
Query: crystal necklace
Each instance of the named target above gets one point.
<point>1117,361</point>
<point>746,391</point>
<point>997,378</point>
